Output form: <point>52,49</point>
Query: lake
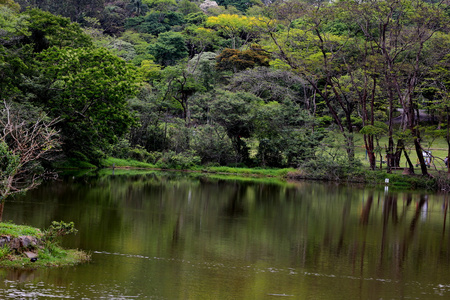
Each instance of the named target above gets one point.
<point>175,235</point>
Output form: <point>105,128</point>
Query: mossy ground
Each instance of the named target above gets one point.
<point>49,254</point>
<point>14,230</point>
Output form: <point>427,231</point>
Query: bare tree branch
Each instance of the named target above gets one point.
<point>22,145</point>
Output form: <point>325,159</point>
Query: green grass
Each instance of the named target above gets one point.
<point>18,230</point>
<point>121,163</point>
<point>130,163</point>
<point>4,252</point>
<point>73,164</point>
<point>246,178</point>
<point>105,163</point>
<point>63,258</point>
<point>125,171</point>
<point>49,254</point>
<point>399,181</point>
<point>250,171</point>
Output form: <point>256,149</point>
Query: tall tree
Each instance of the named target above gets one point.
<point>179,84</point>
<point>236,60</point>
<point>400,30</point>
<point>436,86</point>
<point>389,40</point>
<point>88,89</point>
<point>237,28</point>
<point>236,112</point>
<point>47,30</point>
<point>316,55</point>
<point>76,10</point>
<point>169,48</point>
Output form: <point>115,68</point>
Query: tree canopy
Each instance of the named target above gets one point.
<point>161,80</point>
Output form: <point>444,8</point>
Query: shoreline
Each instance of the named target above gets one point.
<point>27,247</point>
<point>439,181</point>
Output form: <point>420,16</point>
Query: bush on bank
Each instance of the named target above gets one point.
<point>345,171</point>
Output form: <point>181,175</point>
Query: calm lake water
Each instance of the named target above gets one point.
<point>189,236</point>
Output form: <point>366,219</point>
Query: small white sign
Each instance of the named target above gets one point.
<point>386,180</point>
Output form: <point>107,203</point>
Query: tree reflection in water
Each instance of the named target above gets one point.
<point>177,236</point>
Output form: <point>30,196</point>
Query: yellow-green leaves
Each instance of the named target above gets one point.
<point>149,70</point>
<point>10,4</point>
<point>233,25</point>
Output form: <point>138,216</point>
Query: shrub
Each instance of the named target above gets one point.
<point>325,167</point>
<point>179,161</point>
<point>120,149</point>
<point>140,154</point>
<point>325,121</point>
<point>212,144</point>
<point>270,152</point>
<point>404,181</point>
<point>154,156</point>
<point>288,150</point>
<point>179,136</point>
<point>58,229</point>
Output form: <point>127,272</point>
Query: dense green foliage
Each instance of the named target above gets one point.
<point>89,89</point>
<point>282,84</point>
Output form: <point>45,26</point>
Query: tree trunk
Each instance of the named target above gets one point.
<point>368,142</point>
<point>401,148</point>
<point>448,141</point>
<point>416,134</point>
<point>398,153</point>
<point>390,149</point>
<point>390,154</point>
<point>423,167</point>
<point>408,160</point>
<point>241,149</point>
<point>370,145</point>
<point>188,115</point>
<point>350,146</point>
<point>2,206</point>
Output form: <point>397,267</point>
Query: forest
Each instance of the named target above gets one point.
<point>229,83</point>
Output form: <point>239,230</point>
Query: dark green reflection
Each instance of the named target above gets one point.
<point>178,235</point>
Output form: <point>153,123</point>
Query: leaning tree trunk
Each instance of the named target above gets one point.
<point>423,166</point>
<point>408,160</point>
<point>401,147</point>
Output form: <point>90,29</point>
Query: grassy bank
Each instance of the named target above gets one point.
<point>118,163</point>
<point>269,172</point>
<point>328,170</point>
<point>396,180</point>
<point>40,249</point>
<point>341,170</point>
